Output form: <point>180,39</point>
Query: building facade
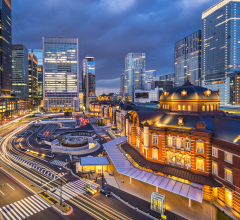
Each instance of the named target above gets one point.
<point>188,51</point>
<point>168,77</point>
<point>39,54</point>
<point>190,140</point>
<point>88,81</point>
<point>6,48</point>
<point>220,58</point>
<point>20,72</point>
<point>122,84</point>
<point>148,95</point>
<point>60,74</point>
<point>33,78</point>
<point>165,85</point>
<point>134,74</point>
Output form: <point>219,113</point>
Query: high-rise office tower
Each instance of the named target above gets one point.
<point>60,74</point>
<point>122,85</point>
<point>188,51</point>
<point>39,54</point>
<point>6,48</point>
<point>20,82</point>
<point>88,81</point>
<point>134,74</point>
<point>220,50</point>
<point>33,75</point>
<point>150,76</point>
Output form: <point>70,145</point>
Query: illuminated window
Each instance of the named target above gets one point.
<point>211,107</point>
<point>179,107</point>
<point>207,107</point>
<point>189,108</point>
<point>184,93</point>
<point>180,121</point>
<point>228,157</point>
<point>200,147</point>
<point>214,152</point>
<point>155,154</point>
<point>228,175</point>
<point>203,108</point>
<point>155,139</point>
<point>178,143</point>
<point>170,141</point>
<point>215,168</point>
<point>184,107</point>
<point>200,164</point>
<point>228,197</point>
<point>187,145</point>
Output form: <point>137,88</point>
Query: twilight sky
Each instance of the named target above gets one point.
<point>109,29</point>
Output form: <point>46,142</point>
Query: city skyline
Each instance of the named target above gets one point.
<point>107,43</point>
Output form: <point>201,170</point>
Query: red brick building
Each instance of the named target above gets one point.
<point>191,140</point>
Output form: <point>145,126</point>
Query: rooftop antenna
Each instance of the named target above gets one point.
<point>188,77</point>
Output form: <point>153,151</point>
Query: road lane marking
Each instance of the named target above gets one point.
<point>11,210</point>
<point>2,192</point>
<point>10,187</point>
<point>3,212</point>
<point>25,208</point>
<point>14,207</point>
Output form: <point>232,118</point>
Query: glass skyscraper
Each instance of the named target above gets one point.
<point>39,54</point>
<point>33,75</point>
<point>6,47</point>
<point>88,81</point>
<point>60,74</point>
<point>20,81</point>
<point>220,50</point>
<point>134,74</point>
<point>188,51</point>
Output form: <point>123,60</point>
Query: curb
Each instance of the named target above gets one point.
<point>58,210</point>
<point>135,208</point>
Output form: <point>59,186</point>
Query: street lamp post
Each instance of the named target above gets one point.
<point>61,188</point>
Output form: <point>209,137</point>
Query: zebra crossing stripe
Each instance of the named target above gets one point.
<point>38,203</point>
<point>42,200</point>
<point>25,213</point>
<point>14,207</point>
<point>3,212</point>
<point>32,205</point>
<point>6,210</point>
<point>33,210</point>
<point>14,213</point>
<point>25,208</point>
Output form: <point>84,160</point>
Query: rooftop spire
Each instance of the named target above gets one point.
<point>187,83</point>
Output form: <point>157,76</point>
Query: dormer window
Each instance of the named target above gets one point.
<point>166,93</point>
<point>207,93</point>
<point>180,121</point>
<point>184,93</point>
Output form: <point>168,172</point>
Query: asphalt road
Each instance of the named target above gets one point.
<point>14,197</point>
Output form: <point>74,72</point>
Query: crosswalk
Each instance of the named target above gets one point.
<point>71,190</point>
<point>24,208</point>
<point>58,163</point>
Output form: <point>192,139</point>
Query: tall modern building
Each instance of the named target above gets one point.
<point>20,81</point>
<point>60,74</point>
<point>39,54</point>
<point>33,76</point>
<point>88,81</point>
<point>6,48</point>
<point>188,51</point>
<point>122,85</point>
<point>134,74</point>
<point>220,51</point>
<point>150,75</point>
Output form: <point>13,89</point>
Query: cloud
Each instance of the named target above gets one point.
<point>117,6</point>
<point>109,29</point>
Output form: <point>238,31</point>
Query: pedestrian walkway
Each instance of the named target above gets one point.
<point>58,163</point>
<point>71,190</point>
<point>24,208</point>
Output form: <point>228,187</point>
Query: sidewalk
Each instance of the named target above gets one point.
<point>174,203</point>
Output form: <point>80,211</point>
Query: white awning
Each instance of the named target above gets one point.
<point>123,166</point>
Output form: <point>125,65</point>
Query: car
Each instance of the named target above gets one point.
<point>105,191</point>
<point>90,189</point>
